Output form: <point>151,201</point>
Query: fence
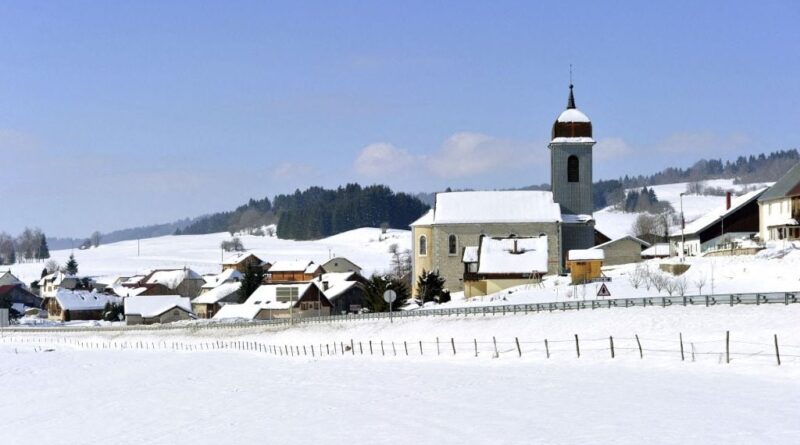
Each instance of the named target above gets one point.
<point>721,350</point>
<point>757,299</point>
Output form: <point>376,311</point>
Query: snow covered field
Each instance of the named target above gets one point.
<point>202,252</point>
<point>225,396</point>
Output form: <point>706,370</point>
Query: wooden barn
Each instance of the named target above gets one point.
<point>68,305</point>
<point>341,264</point>
<point>293,272</point>
<point>624,250</point>
<point>241,262</point>
<point>210,301</point>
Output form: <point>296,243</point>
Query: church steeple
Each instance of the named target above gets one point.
<point>571,100</point>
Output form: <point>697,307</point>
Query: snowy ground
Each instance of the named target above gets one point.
<point>91,396</point>
<point>366,247</point>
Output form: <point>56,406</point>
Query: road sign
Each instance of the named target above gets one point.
<point>389,296</point>
<point>603,292</point>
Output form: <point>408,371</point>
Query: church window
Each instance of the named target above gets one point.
<point>572,169</point>
<point>452,245</point>
<point>423,245</point>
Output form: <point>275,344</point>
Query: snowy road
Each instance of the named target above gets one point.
<point>93,397</point>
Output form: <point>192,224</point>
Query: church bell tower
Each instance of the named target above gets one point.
<point>571,160</point>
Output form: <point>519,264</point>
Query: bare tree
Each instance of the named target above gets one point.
<point>699,282</point>
<point>669,285</point>
<point>636,276</point>
<point>52,266</point>
<point>681,285</point>
<point>658,280</point>
<point>95,238</point>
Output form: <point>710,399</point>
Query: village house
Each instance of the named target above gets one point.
<point>143,289</point>
<point>7,278</point>
<point>345,291</point>
<point>499,263</point>
<point>51,283</point>
<point>184,282</point>
<point>341,264</point>
<point>241,262</point>
<point>564,214</point>
<point>779,208</point>
<point>293,272</point>
<point>69,305</point>
<point>154,309</point>
<point>625,250</point>
<point>280,301</point>
<point>209,302</point>
<point>723,227</point>
<point>17,297</point>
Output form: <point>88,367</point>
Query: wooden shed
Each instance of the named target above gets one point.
<point>585,265</point>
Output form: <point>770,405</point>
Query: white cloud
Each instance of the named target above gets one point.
<point>381,158</point>
<point>611,148</point>
<point>291,170</point>
<point>704,142</point>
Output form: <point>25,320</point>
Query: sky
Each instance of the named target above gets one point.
<point>120,114</point>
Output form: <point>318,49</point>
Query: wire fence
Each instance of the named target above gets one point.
<point>723,350</point>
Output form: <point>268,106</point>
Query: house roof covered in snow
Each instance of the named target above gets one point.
<point>172,278</point>
<point>8,278</point>
<point>631,237</point>
<point>239,258</point>
<point>787,185</point>
<point>519,206</point>
<point>470,254</point>
<point>149,306</point>
<point>700,224</point>
<point>657,250</point>
<point>304,266</point>
<point>512,255</point>
<point>80,300</point>
<point>585,254</point>
<point>218,293</point>
<point>226,276</point>
<point>278,296</point>
<point>246,311</point>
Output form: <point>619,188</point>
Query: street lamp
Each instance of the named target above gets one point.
<point>683,236</point>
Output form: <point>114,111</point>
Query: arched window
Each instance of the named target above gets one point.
<point>452,245</point>
<point>423,245</point>
<point>573,169</point>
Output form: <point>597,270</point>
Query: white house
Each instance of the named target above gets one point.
<point>779,208</point>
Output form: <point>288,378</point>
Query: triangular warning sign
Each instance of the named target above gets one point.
<point>603,292</point>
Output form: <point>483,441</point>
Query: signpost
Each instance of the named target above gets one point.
<point>390,296</point>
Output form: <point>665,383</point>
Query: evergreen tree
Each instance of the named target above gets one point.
<point>113,312</point>
<point>44,251</point>
<point>44,272</point>
<point>375,288</point>
<point>252,279</point>
<point>430,286</point>
<point>72,265</point>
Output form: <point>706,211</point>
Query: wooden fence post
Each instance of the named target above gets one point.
<point>577,346</point>
<point>494,339</point>
<point>420,347</point>
<point>680,337</point>
<point>476,346</point>
<point>547,348</point>
<point>361,347</point>
<point>370,347</point>
<point>519,350</point>
<point>453,343</point>
<point>728,345</point>
<point>383,351</point>
<point>438,352</point>
<point>640,345</point>
<point>394,350</point>
<point>405,345</point>
<point>611,342</point>
<point>777,352</point>
<point>352,347</point>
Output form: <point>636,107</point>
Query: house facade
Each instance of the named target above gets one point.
<point>69,305</point>
<point>341,264</point>
<point>779,208</point>
<point>279,301</point>
<point>242,262</point>
<point>563,214</point>
<point>210,301</point>
<point>152,309</point>
<point>624,250</point>
<point>293,272</point>
<point>499,263</point>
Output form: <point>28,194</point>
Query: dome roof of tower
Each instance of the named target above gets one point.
<point>572,123</point>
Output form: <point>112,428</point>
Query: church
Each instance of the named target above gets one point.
<point>448,238</point>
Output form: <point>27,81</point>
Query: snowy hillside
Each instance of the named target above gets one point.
<point>367,247</point>
<point>615,223</point>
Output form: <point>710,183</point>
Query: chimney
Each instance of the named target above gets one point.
<point>727,200</point>
<point>324,285</point>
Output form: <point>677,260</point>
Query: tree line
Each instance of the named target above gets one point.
<point>317,212</point>
<point>28,246</point>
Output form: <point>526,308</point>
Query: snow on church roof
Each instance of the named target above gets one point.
<point>494,207</point>
<point>513,255</point>
<point>572,115</point>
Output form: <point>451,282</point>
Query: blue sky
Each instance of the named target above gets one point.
<point>117,114</point>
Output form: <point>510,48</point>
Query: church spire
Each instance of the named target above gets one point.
<point>571,100</point>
